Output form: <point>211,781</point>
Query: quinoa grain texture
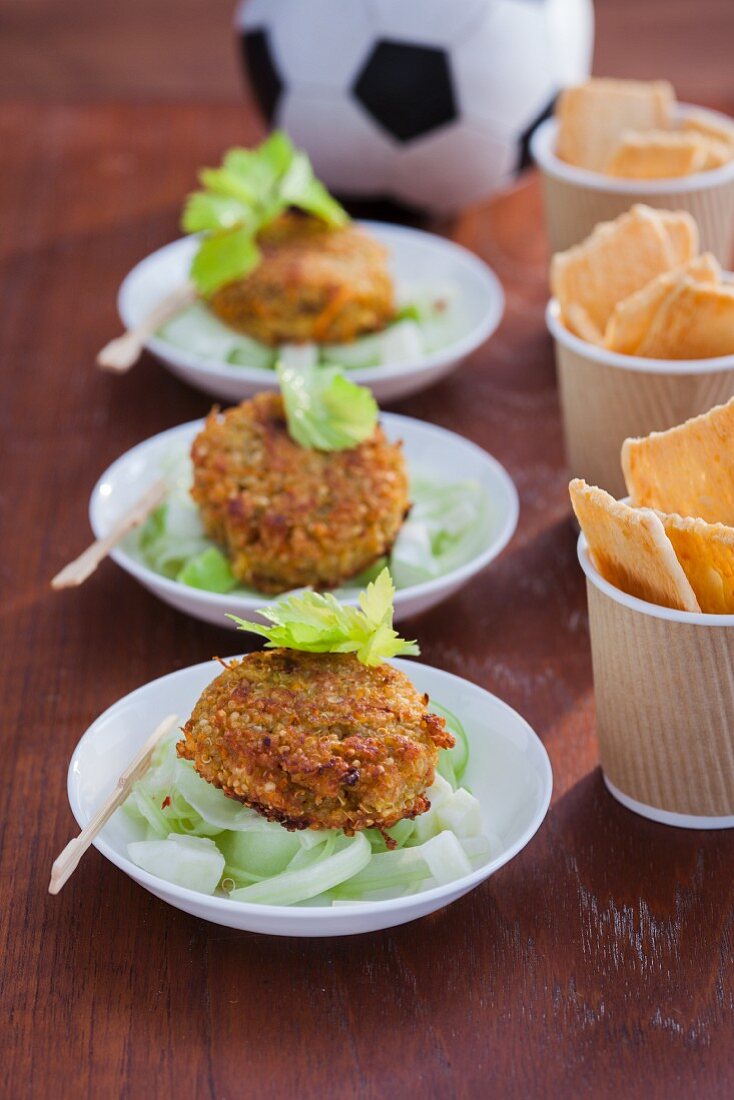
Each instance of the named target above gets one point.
<point>317,740</point>
<point>314,284</point>
<point>288,516</point>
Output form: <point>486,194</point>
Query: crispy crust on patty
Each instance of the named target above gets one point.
<point>317,741</point>
<point>288,516</point>
<point>314,284</point>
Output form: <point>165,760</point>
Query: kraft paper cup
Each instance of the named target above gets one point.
<point>664,685</point>
<point>577,199</point>
<point>606,397</point>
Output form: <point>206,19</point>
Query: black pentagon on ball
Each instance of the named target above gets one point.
<point>524,156</point>
<point>407,89</point>
<point>267,84</point>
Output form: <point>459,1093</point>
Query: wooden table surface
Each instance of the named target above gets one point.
<point>85,49</point>
<point>597,962</point>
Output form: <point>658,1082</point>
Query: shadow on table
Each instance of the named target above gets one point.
<point>607,931</point>
<point>520,630</point>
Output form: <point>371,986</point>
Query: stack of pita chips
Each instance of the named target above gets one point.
<point>673,545</point>
<point>637,286</point>
<point>629,129</point>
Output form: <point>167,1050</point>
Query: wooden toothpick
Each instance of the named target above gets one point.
<point>66,863</point>
<point>77,571</point>
<point>124,351</point>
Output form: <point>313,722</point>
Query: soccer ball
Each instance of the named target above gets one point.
<point>429,102</point>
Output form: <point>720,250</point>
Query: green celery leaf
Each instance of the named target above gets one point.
<point>300,188</point>
<point>377,599</point>
<point>261,168</point>
<point>231,185</point>
<point>223,257</point>
<point>326,411</point>
<point>250,189</point>
<point>316,622</point>
<point>408,312</point>
<point>153,527</point>
<point>208,212</point>
<point>209,570</point>
<point>278,151</point>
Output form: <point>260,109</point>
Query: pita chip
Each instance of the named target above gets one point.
<point>708,127</point>
<point>706,554</point>
<point>657,154</point>
<point>632,317</point>
<point>630,548</point>
<point>687,470</point>
<point>619,258</point>
<point>682,233</point>
<point>593,116</point>
<point>695,320</point>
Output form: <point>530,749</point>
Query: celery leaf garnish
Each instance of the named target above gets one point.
<point>250,189</point>
<point>222,257</point>
<point>316,622</point>
<point>324,410</point>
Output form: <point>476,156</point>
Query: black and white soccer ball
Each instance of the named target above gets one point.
<point>429,102</point>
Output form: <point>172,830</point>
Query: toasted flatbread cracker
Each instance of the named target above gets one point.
<point>688,470</point>
<point>682,232</point>
<point>630,549</point>
<point>706,554</point>
<point>708,127</point>
<point>577,320</point>
<point>657,154</point>
<point>617,259</point>
<point>717,153</point>
<point>632,317</point>
<point>695,320</point>
<point>592,116</point>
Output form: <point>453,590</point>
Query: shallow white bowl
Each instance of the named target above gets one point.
<point>509,772</point>
<point>415,257</point>
<point>430,451</point>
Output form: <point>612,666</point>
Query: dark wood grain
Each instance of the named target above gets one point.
<point>599,962</point>
<point>153,49</point>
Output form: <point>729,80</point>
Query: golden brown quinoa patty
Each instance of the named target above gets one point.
<point>313,284</point>
<point>317,740</point>
<point>289,516</point>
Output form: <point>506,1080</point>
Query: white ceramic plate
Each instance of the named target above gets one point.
<point>415,258</point>
<point>431,452</point>
<point>509,772</point>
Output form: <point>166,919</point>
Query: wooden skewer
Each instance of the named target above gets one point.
<point>77,571</point>
<point>67,861</point>
<point>123,352</point>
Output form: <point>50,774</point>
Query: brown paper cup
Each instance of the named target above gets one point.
<point>606,397</point>
<point>576,199</point>
<point>664,685</point>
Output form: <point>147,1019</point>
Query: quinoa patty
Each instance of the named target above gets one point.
<point>317,740</point>
<point>289,516</point>
<point>314,284</point>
